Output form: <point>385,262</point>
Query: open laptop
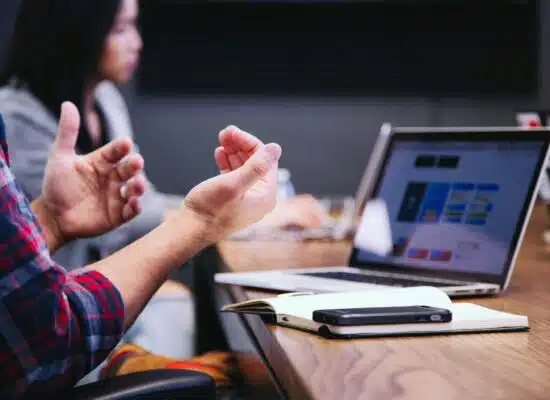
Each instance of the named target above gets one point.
<point>458,201</point>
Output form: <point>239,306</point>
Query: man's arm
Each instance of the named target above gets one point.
<point>54,327</point>
<point>139,269</point>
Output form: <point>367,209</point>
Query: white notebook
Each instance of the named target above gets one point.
<point>295,310</point>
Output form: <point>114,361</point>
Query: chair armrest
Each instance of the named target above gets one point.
<point>158,384</point>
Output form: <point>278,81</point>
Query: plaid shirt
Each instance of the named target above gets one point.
<point>54,326</point>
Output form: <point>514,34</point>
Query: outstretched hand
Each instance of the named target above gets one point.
<point>245,190</point>
<point>87,195</point>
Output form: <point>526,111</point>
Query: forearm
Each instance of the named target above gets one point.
<point>49,226</point>
<point>139,269</point>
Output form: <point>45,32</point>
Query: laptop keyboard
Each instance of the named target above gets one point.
<point>377,280</point>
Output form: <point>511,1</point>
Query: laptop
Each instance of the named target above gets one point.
<point>457,203</point>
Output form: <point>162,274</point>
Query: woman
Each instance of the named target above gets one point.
<point>78,50</point>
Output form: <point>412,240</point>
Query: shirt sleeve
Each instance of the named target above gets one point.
<point>54,326</point>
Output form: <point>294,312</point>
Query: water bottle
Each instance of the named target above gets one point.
<point>285,188</point>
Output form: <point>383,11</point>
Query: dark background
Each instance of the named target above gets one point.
<point>340,48</point>
<point>321,79</point>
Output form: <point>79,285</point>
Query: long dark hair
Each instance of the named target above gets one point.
<point>56,49</point>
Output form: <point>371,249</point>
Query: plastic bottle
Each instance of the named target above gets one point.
<point>285,188</point>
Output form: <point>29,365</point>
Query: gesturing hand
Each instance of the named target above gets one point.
<point>86,195</point>
<point>246,189</point>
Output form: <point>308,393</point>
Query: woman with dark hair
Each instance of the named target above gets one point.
<point>78,50</point>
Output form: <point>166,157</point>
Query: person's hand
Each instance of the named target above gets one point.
<point>86,195</point>
<point>298,212</point>
<point>170,213</point>
<point>246,189</point>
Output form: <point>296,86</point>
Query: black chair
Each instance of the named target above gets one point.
<point>163,384</point>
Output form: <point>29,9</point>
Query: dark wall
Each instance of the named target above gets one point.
<point>330,48</point>
<point>8,10</point>
<point>326,141</point>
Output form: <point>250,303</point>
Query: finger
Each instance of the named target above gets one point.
<point>221,160</point>
<point>239,145</point>
<point>134,188</point>
<point>243,156</point>
<point>106,157</point>
<point>235,140</point>
<point>69,125</point>
<point>225,137</point>
<point>131,209</point>
<point>130,167</point>
<point>234,161</point>
<point>263,161</point>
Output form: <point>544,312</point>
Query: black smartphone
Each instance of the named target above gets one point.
<point>382,315</point>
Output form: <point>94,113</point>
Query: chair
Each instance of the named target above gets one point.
<point>156,384</point>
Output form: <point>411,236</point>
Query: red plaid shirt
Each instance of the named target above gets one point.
<point>55,326</point>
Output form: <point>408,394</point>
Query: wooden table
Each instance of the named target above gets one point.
<point>485,366</point>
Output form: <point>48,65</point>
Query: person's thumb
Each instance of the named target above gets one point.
<point>69,125</point>
<point>263,161</point>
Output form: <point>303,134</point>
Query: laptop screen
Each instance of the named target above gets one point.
<point>455,206</point>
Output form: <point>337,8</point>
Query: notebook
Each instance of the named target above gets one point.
<point>295,310</point>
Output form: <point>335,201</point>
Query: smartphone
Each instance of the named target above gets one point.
<point>382,315</point>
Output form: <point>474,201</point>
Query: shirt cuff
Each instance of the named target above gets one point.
<point>102,308</point>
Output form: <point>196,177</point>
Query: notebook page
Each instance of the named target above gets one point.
<point>468,313</point>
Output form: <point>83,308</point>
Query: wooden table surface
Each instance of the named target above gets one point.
<point>471,366</point>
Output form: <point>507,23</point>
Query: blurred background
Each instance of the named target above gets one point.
<point>320,77</point>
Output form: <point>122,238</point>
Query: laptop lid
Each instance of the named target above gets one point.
<point>458,199</point>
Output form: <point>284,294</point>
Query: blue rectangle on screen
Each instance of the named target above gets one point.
<point>453,220</point>
<point>434,201</point>
<point>456,207</point>
<point>488,187</point>
<point>489,207</point>
<point>438,190</point>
